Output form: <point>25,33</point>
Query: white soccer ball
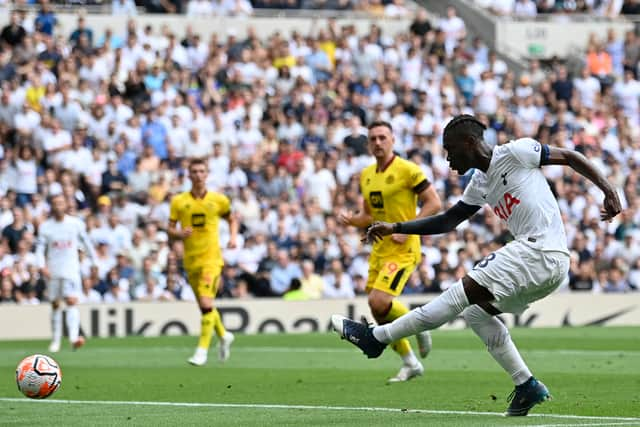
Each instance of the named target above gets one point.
<point>38,376</point>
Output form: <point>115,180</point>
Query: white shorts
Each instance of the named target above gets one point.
<point>63,288</point>
<point>518,275</point>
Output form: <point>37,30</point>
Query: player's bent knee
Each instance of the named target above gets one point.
<point>379,304</point>
<point>55,304</point>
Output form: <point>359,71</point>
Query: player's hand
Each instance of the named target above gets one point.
<point>232,244</point>
<point>344,217</point>
<point>186,232</point>
<point>378,230</point>
<point>611,206</point>
<point>399,238</point>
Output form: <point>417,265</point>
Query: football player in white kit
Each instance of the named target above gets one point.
<point>59,238</point>
<point>534,264</point>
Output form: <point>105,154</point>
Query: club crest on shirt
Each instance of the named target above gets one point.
<point>375,198</point>
<point>389,180</point>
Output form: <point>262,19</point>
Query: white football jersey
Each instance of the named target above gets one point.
<point>517,191</point>
<point>58,244</point>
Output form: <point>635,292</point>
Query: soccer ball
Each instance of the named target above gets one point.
<point>38,376</point>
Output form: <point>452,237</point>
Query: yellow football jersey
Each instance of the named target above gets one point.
<point>202,215</point>
<point>392,196</point>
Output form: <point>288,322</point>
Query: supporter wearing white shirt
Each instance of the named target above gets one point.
<point>588,88</point>
<point>197,146</point>
<point>56,141</point>
<point>320,184</point>
<point>77,157</point>
<point>486,94</point>
<point>116,294</point>
<point>177,136</point>
<point>89,295</point>
<point>149,290</point>
<point>627,93</point>
<point>249,139</point>
<point>453,28</point>
<point>25,172</point>
<point>199,8</point>
<point>197,53</point>
<point>525,9</point>
<point>27,120</point>
<point>338,283</point>
<point>123,7</point>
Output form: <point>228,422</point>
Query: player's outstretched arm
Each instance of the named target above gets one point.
<point>360,219</point>
<point>443,223</point>
<point>579,163</point>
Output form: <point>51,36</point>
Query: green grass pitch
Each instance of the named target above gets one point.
<point>319,380</point>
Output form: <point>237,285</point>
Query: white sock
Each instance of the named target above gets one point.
<point>498,341</point>
<point>410,359</point>
<point>56,325</point>
<point>73,322</point>
<point>439,311</point>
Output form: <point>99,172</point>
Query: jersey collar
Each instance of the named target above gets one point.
<point>386,166</point>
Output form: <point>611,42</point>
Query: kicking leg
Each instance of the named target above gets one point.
<point>528,391</point>
<point>445,307</point>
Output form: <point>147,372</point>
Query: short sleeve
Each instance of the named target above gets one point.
<point>529,152</point>
<point>173,210</point>
<point>475,192</point>
<point>225,205</point>
<point>417,180</point>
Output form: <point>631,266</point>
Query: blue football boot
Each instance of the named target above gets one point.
<point>359,335</point>
<point>526,396</point>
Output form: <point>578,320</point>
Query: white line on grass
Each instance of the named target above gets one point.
<point>626,423</point>
<point>308,407</point>
<point>274,349</point>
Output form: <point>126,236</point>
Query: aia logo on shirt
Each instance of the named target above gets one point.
<point>504,207</point>
<point>61,244</point>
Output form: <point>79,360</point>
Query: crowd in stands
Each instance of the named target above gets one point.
<point>531,8</point>
<point>110,121</point>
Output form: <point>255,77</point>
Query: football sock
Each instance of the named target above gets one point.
<point>56,324</point>
<point>402,346</point>
<point>72,315</point>
<point>437,312</point>
<point>498,341</point>
<point>217,323</point>
<point>206,328</point>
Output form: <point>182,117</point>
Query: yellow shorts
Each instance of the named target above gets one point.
<point>390,274</point>
<point>204,280</point>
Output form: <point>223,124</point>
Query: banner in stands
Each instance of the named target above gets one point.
<point>276,316</point>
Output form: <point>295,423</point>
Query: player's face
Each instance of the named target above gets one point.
<point>459,155</point>
<point>198,174</point>
<point>380,142</point>
<point>58,206</point>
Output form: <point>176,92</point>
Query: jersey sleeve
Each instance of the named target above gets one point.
<point>475,192</point>
<point>529,152</point>
<point>225,205</point>
<point>173,209</point>
<point>417,180</point>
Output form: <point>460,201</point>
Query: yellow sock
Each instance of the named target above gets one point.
<point>207,322</point>
<point>402,346</point>
<point>217,323</point>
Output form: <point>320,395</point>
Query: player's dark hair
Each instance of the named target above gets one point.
<point>197,161</point>
<point>379,123</point>
<point>463,126</point>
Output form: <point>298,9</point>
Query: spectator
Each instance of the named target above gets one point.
<point>283,272</point>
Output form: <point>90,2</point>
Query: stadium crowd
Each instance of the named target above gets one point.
<point>110,121</point>
<point>526,9</point>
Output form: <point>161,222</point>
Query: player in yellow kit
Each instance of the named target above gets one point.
<point>391,189</point>
<point>199,211</point>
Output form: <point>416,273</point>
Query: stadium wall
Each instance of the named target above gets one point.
<point>223,26</point>
<point>256,316</point>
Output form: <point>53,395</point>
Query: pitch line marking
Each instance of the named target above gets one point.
<point>306,407</point>
<point>627,423</point>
